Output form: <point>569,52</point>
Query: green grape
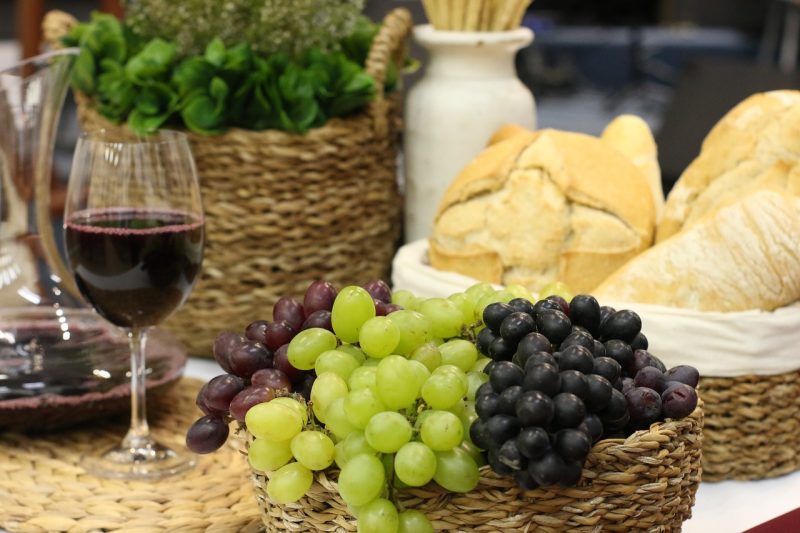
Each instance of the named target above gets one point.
<point>460,353</point>
<point>413,521</point>
<point>362,479</point>
<point>474,381</point>
<point>371,361</point>
<point>421,374</point>
<point>497,296</point>
<point>273,421</point>
<point>556,288</point>
<point>336,361</point>
<point>387,460</point>
<point>415,329</point>
<point>458,408</point>
<point>336,420</point>
<point>480,364</point>
<point>415,464</point>
<point>405,299</point>
<point>456,471</point>
<point>306,346</point>
<point>313,449</point>
<point>442,391</point>
<point>453,371</point>
<point>477,455</point>
<point>465,305</point>
<point>266,455</point>
<point>378,516</point>
<point>379,337</point>
<point>478,291</point>
<point>360,405</point>
<point>428,354</point>
<point>289,483</point>
<point>519,291</point>
<point>388,431</point>
<point>353,350</point>
<point>356,444</point>
<point>298,406</point>
<point>442,431</point>
<point>437,341</point>
<point>467,417</point>
<point>352,307</point>
<point>340,454</point>
<point>396,382</point>
<point>326,388</point>
<point>362,378</point>
<point>421,416</point>
<point>445,317</point>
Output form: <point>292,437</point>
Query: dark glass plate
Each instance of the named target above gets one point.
<point>48,381</point>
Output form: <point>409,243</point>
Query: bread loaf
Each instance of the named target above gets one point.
<point>632,137</point>
<point>544,206</point>
<point>755,145</point>
<point>742,256</point>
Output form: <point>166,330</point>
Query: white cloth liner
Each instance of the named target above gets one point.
<point>717,344</point>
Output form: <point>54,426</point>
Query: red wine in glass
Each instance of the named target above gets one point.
<point>134,266</point>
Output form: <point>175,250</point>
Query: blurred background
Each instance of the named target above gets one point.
<point>679,64</point>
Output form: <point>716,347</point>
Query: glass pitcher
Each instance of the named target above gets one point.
<point>50,341</point>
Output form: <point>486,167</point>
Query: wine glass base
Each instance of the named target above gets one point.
<point>142,459</point>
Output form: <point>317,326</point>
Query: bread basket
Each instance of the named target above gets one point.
<point>283,209</point>
<point>645,482</point>
<point>751,388</point>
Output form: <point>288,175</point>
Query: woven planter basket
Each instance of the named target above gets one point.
<point>646,482</point>
<point>752,426</point>
<point>284,209</point>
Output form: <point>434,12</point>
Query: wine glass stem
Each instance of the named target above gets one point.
<point>139,432</point>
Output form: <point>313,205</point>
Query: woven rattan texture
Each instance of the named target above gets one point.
<point>44,489</point>
<point>283,209</point>
<point>645,483</point>
<point>752,428</point>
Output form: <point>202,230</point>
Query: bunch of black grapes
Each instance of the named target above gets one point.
<point>563,376</point>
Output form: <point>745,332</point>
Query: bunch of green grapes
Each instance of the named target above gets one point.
<point>392,404</point>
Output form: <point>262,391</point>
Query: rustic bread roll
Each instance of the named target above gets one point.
<point>745,255</point>
<point>505,132</point>
<point>544,206</point>
<point>756,145</point>
<point>632,136</point>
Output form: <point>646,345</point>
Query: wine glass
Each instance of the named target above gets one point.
<point>134,234</point>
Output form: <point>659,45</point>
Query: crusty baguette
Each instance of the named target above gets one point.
<point>632,136</point>
<point>505,132</point>
<point>745,255</point>
<point>544,206</point>
<point>755,145</point>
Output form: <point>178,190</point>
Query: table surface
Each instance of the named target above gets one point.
<point>728,506</point>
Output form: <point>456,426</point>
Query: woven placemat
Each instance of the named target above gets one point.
<point>44,489</point>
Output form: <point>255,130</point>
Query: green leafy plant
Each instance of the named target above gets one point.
<point>149,83</point>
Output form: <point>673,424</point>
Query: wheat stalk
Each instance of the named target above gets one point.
<point>475,15</point>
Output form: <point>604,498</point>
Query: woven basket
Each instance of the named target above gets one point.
<point>284,209</point>
<point>752,426</point>
<point>646,482</point>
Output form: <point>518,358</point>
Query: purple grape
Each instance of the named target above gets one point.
<point>277,334</point>
<point>221,390</point>
<point>207,434</point>
<point>380,307</point>
<point>569,410</point>
<point>576,357</point>
<point>281,362</point>
<point>534,408</point>
<point>319,297</point>
<point>494,314</point>
<point>650,377</point>
<point>600,391</point>
<point>623,325</point>
<point>533,442</point>
<point>585,311</point>
<point>572,444</point>
<point>679,401</point>
<point>607,367</point>
<point>644,406</point>
<point>303,388</point>
<point>685,374</point>
<point>379,290</point>
<point>515,326</point>
<point>563,306</point>
<point>318,319</point>
<point>272,378</point>
<point>290,311</point>
<point>391,308</point>
<point>554,325</point>
<point>200,401</point>
<point>256,331</point>
<point>247,398</point>
<point>249,357</point>
<point>548,470</point>
<point>641,359</point>
<point>223,346</point>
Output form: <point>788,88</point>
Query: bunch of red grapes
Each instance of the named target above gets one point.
<point>256,363</point>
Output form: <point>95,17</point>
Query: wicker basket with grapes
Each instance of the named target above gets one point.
<point>363,409</point>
